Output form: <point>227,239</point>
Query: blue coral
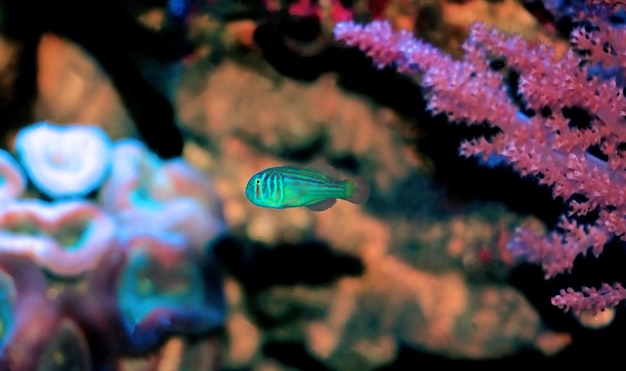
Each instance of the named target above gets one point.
<point>124,269</point>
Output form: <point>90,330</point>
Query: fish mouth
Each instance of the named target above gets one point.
<point>249,192</point>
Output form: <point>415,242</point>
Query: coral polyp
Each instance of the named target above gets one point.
<point>144,191</point>
<point>105,250</point>
<point>160,290</point>
<point>12,179</point>
<point>67,238</point>
<point>7,298</point>
<point>64,161</point>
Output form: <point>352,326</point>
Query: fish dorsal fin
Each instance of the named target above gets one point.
<point>323,169</point>
<point>322,205</point>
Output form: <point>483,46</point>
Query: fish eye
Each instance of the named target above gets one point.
<point>258,181</point>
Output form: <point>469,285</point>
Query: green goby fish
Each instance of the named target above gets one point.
<point>316,187</point>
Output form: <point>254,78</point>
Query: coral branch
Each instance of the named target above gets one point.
<point>590,298</point>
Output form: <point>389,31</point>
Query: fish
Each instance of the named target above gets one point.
<point>316,186</point>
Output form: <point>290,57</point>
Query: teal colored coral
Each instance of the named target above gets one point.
<point>86,229</point>
<point>7,307</point>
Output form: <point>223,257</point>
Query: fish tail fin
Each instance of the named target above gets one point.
<point>357,190</point>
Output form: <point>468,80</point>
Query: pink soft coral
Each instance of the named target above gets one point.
<point>547,147</point>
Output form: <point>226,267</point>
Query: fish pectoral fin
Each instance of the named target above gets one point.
<point>322,205</point>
